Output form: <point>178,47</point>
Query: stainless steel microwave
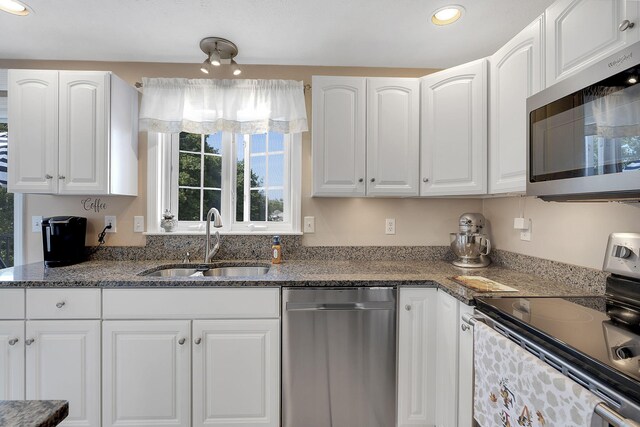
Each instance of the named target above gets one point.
<point>583,133</point>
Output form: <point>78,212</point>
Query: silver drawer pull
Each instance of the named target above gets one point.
<point>29,341</point>
<point>425,179</point>
<point>625,25</point>
<point>60,304</point>
<point>197,340</point>
<point>181,341</point>
<point>407,307</point>
<point>361,180</point>
<point>465,327</point>
<point>61,177</point>
<point>13,341</point>
<point>47,176</point>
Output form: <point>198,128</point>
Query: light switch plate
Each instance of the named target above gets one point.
<point>36,223</point>
<point>138,224</point>
<point>309,224</point>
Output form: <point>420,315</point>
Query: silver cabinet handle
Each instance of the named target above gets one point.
<point>29,341</point>
<point>407,307</point>
<point>181,341</point>
<point>60,304</point>
<point>61,177</point>
<point>47,176</point>
<point>197,340</point>
<point>361,180</point>
<point>625,25</point>
<point>465,327</point>
<point>13,341</point>
<point>425,179</point>
<point>373,180</point>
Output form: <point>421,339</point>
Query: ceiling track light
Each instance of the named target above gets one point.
<point>219,51</point>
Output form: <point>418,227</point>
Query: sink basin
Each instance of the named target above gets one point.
<point>222,270</point>
<point>172,272</point>
<point>237,271</point>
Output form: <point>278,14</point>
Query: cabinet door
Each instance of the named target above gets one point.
<point>465,368</point>
<point>12,360</point>
<point>33,120</point>
<point>236,372</point>
<point>84,120</point>
<point>447,361</point>
<point>146,373</point>
<point>63,363</point>
<point>517,71</point>
<point>339,136</point>
<point>392,136</point>
<point>416,357</point>
<point>580,32</point>
<point>454,131</point>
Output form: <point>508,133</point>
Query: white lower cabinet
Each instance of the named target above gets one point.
<point>146,373</point>
<point>435,360</point>
<point>236,372</point>
<point>12,360</point>
<point>63,363</point>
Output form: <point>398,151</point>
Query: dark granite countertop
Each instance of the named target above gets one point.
<point>33,413</point>
<point>115,274</point>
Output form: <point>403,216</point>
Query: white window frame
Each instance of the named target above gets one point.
<point>162,186</point>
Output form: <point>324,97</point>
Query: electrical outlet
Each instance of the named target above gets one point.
<point>526,233</point>
<point>390,226</point>
<point>138,224</point>
<point>36,223</point>
<point>109,219</point>
<point>309,224</point>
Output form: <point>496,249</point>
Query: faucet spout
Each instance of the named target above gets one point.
<point>210,252</point>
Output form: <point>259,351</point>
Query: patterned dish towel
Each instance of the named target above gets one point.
<point>514,388</point>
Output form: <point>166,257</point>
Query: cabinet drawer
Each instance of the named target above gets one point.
<point>218,303</point>
<point>11,303</point>
<point>63,303</point>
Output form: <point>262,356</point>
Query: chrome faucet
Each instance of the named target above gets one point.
<point>217,223</point>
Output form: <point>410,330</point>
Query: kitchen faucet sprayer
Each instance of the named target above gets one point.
<point>217,223</point>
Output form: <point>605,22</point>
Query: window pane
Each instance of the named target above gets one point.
<point>212,171</point>
<point>213,143</point>
<point>239,189</point>
<point>211,200</point>
<point>188,204</point>
<point>259,143</point>
<point>276,142</point>
<point>258,171</point>
<point>189,175</point>
<point>276,170</point>
<point>258,199</point>
<point>6,204</point>
<point>276,206</point>
<point>190,142</point>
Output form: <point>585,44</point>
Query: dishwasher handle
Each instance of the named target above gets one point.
<point>342,306</point>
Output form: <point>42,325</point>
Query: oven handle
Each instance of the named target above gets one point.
<point>605,412</point>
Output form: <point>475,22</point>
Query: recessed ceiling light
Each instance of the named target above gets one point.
<point>632,80</point>
<point>14,7</point>
<point>447,15</point>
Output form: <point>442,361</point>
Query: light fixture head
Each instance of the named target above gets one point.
<point>447,15</point>
<point>234,68</point>
<point>205,66</point>
<point>14,7</point>
<point>214,58</point>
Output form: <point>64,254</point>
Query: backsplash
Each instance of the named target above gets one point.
<point>252,247</point>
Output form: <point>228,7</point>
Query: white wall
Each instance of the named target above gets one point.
<point>571,232</point>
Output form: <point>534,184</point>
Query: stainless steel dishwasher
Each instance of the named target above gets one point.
<point>339,357</point>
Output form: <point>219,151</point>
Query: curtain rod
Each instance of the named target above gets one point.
<point>307,87</point>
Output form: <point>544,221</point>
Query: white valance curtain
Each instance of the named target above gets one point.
<point>208,106</point>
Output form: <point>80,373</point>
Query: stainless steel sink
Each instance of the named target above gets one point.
<point>237,271</point>
<point>222,270</point>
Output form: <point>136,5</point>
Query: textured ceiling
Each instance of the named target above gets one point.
<point>377,33</point>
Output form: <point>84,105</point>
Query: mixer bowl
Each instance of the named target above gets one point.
<point>469,246</point>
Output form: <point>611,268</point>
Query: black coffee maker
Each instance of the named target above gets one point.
<point>63,240</point>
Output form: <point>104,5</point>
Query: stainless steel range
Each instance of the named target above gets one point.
<point>593,340</point>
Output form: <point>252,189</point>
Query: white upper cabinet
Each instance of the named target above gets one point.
<point>365,136</point>
<point>339,136</point>
<point>392,136</point>
<point>454,131</point>
<point>580,32</point>
<point>72,132</point>
<point>517,72</point>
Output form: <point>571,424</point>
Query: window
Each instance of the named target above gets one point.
<point>253,180</point>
